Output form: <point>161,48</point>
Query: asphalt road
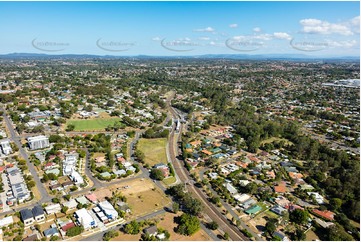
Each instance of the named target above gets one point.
<point>45,197</point>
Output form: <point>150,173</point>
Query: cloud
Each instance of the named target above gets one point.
<point>316,26</point>
<point>343,44</point>
<point>208,29</point>
<point>204,38</point>
<point>156,39</point>
<point>263,37</point>
<point>257,29</point>
<point>355,24</point>
<point>233,25</point>
<point>281,35</point>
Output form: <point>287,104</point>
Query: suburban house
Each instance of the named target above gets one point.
<point>38,142</point>
<point>38,213</point>
<point>27,217</point>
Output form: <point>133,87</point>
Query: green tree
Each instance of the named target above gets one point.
<point>299,216</point>
<point>212,225</point>
<point>271,226</point>
<point>188,224</point>
<point>132,228</point>
<point>156,174</point>
<point>175,207</point>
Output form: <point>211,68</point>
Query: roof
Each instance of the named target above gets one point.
<point>108,209</point>
<point>91,197</point>
<point>253,210</point>
<point>38,210</point>
<point>31,237</point>
<point>82,200</point>
<point>324,214</point>
<point>281,188</point>
<point>26,214</point>
<point>50,232</point>
<point>68,226</point>
<point>71,203</point>
<point>6,221</point>
<point>151,230</point>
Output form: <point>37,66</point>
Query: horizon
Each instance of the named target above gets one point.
<point>317,29</point>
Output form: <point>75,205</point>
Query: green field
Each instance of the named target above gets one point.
<point>92,124</point>
<point>170,180</point>
<point>154,150</point>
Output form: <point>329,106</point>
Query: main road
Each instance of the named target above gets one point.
<point>209,208</point>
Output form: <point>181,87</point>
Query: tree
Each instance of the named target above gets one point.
<point>132,228</point>
<point>299,216</point>
<point>110,234</point>
<point>336,203</point>
<point>54,238</point>
<point>226,236</point>
<point>212,225</point>
<point>64,209</point>
<point>70,127</point>
<point>337,233</point>
<point>271,226</point>
<point>156,174</point>
<point>175,207</point>
<point>188,224</point>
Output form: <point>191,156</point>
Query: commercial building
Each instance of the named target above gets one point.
<point>38,142</point>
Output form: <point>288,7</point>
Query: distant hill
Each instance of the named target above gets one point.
<point>207,56</point>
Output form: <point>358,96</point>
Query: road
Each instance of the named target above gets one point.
<point>230,210</point>
<point>45,197</point>
<point>209,208</point>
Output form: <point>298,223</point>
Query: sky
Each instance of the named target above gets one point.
<point>181,28</point>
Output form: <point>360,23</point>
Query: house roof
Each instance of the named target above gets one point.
<point>91,197</point>
<point>324,214</point>
<point>151,230</point>
<point>37,210</point>
<point>50,232</point>
<point>31,237</point>
<point>281,188</point>
<point>67,226</point>
<point>26,214</point>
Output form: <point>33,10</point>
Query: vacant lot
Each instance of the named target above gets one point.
<point>154,150</point>
<point>92,124</point>
<point>144,197</point>
<point>167,223</point>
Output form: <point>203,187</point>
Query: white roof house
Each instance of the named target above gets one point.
<point>71,204</point>
<point>85,219</point>
<point>54,208</point>
<point>6,221</point>
<point>317,196</point>
<point>242,198</point>
<point>108,210</point>
<point>76,177</point>
<point>230,188</point>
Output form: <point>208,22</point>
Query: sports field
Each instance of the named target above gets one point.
<point>96,124</point>
<point>154,150</point>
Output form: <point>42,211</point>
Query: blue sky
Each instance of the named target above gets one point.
<point>180,28</point>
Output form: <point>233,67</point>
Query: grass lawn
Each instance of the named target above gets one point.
<point>272,139</point>
<point>170,180</point>
<point>92,124</point>
<point>154,150</point>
